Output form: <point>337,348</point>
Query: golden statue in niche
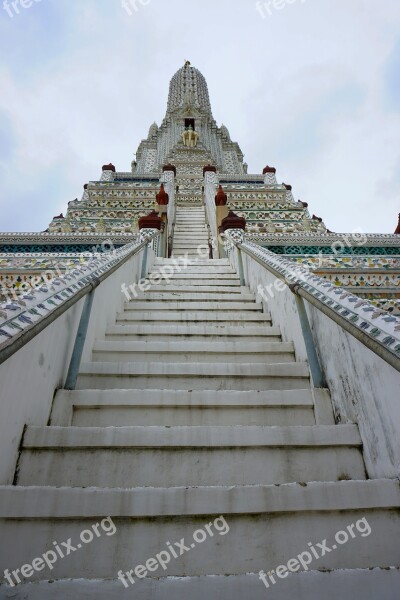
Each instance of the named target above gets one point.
<point>190,137</point>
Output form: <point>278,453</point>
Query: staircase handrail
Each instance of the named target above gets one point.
<point>377,329</point>
<point>23,319</point>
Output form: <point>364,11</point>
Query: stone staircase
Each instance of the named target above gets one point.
<point>191,233</point>
<point>194,408</point>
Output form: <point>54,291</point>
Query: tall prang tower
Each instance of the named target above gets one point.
<point>189,107</point>
<point>189,139</point>
<point>199,386</point>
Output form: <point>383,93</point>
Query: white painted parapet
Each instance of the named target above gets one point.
<point>210,186</point>
<point>168,179</point>
<point>31,371</point>
<point>364,386</point>
<point>270,176</point>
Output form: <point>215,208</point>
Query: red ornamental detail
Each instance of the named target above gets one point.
<point>397,232</point>
<point>162,197</point>
<point>221,198</point>
<point>169,167</point>
<point>232,221</point>
<point>314,218</point>
<point>151,221</point>
<point>269,170</point>
<point>61,216</point>
<point>109,167</point>
<point>288,187</point>
<point>209,169</point>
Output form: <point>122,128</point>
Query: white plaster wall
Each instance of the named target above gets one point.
<point>27,383</point>
<point>209,195</point>
<point>364,388</point>
<point>281,304</point>
<point>109,300</point>
<point>30,377</point>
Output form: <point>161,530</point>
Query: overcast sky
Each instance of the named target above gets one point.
<point>311,87</point>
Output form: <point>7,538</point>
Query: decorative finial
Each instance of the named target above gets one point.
<point>162,197</point>
<point>397,232</point>
<point>221,198</point>
<point>187,63</point>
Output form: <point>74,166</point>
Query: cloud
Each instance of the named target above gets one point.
<point>391,77</point>
<point>311,89</point>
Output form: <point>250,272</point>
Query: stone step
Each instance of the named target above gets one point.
<point>117,457</point>
<point>188,237</point>
<point>203,262</point>
<point>194,275</point>
<point>190,253</point>
<point>190,305</point>
<point>189,316</point>
<point>120,408</point>
<point>191,239</point>
<point>194,245</point>
<point>194,240</point>
<point>185,254</point>
<point>382,583</point>
<point>202,283</point>
<point>184,229</point>
<point>209,376</point>
<point>239,332</point>
<point>261,527</point>
<point>213,288</point>
<point>194,297</point>
<point>189,352</point>
<point>197,270</point>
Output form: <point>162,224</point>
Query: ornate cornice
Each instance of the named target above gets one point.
<point>32,307</point>
<point>377,324</point>
<point>64,238</point>
<point>322,239</point>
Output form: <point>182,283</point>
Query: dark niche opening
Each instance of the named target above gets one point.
<point>190,123</point>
